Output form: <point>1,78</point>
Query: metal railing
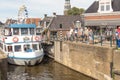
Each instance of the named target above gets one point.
<point>100,40</point>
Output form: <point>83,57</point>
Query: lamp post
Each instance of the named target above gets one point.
<point>61,33</point>
<point>82,21</point>
<point>61,37</point>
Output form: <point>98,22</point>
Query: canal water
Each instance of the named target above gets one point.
<point>47,70</point>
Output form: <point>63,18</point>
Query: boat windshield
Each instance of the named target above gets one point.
<point>24,31</point>
<point>15,31</point>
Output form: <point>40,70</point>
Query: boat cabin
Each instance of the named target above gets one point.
<point>20,38</point>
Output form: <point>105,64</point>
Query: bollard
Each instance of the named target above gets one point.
<point>101,40</point>
<point>93,38</point>
<point>60,45</point>
<point>116,43</point>
<point>111,41</point>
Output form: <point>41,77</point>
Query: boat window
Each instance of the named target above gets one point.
<point>7,32</point>
<point>34,46</point>
<point>27,48</point>
<point>24,31</point>
<point>32,31</point>
<point>9,48</point>
<point>0,45</point>
<point>17,48</point>
<point>5,47</point>
<point>40,46</point>
<point>15,31</point>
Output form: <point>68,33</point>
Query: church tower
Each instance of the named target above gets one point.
<point>67,6</point>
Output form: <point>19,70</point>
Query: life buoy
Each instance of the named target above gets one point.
<point>37,38</point>
<point>15,39</point>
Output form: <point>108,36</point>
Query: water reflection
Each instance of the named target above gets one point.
<point>47,70</point>
<point>3,69</point>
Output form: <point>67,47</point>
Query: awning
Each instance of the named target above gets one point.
<point>22,26</point>
<point>102,22</point>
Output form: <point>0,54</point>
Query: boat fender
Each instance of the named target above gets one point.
<point>15,39</point>
<point>37,38</point>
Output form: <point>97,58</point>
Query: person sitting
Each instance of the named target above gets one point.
<point>28,50</point>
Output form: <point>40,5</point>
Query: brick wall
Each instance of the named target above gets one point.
<point>102,17</point>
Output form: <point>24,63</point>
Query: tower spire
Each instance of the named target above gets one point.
<point>67,6</point>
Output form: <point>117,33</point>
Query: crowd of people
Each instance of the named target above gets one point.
<point>80,34</point>
<point>87,35</point>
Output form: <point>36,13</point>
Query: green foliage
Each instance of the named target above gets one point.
<point>75,11</point>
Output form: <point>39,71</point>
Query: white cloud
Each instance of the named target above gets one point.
<point>37,8</point>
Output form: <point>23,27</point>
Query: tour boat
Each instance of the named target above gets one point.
<point>22,44</point>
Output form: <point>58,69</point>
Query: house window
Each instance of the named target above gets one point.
<point>15,31</point>
<point>107,7</point>
<point>47,23</point>
<point>38,31</point>
<point>60,25</point>
<point>53,34</point>
<point>24,31</point>
<point>102,7</point>
<point>17,48</point>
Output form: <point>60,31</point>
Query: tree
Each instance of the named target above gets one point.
<point>75,11</point>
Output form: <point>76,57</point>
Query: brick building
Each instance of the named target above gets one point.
<point>33,20</point>
<point>58,25</point>
<point>103,14</point>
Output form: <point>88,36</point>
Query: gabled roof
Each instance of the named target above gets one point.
<point>46,19</point>
<point>33,20</point>
<point>10,21</point>
<point>94,7</point>
<point>116,5</point>
<point>65,21</point>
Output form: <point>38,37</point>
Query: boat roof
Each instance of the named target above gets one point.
<point>22,26</point>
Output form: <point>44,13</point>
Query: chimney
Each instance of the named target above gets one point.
<point>54,14</point>
<point>45,15</point>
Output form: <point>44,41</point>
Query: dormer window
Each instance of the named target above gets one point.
<point>108,7</point>
<point>61,26</point>
<point>105,6</point>
<point>102,8</point>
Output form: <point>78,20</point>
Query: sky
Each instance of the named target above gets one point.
<point>37,8</point>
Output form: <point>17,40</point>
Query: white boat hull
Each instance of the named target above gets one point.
<point>18,61</point>
<point>31,58</point>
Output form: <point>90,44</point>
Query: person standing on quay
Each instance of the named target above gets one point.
<point>118,37</point>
